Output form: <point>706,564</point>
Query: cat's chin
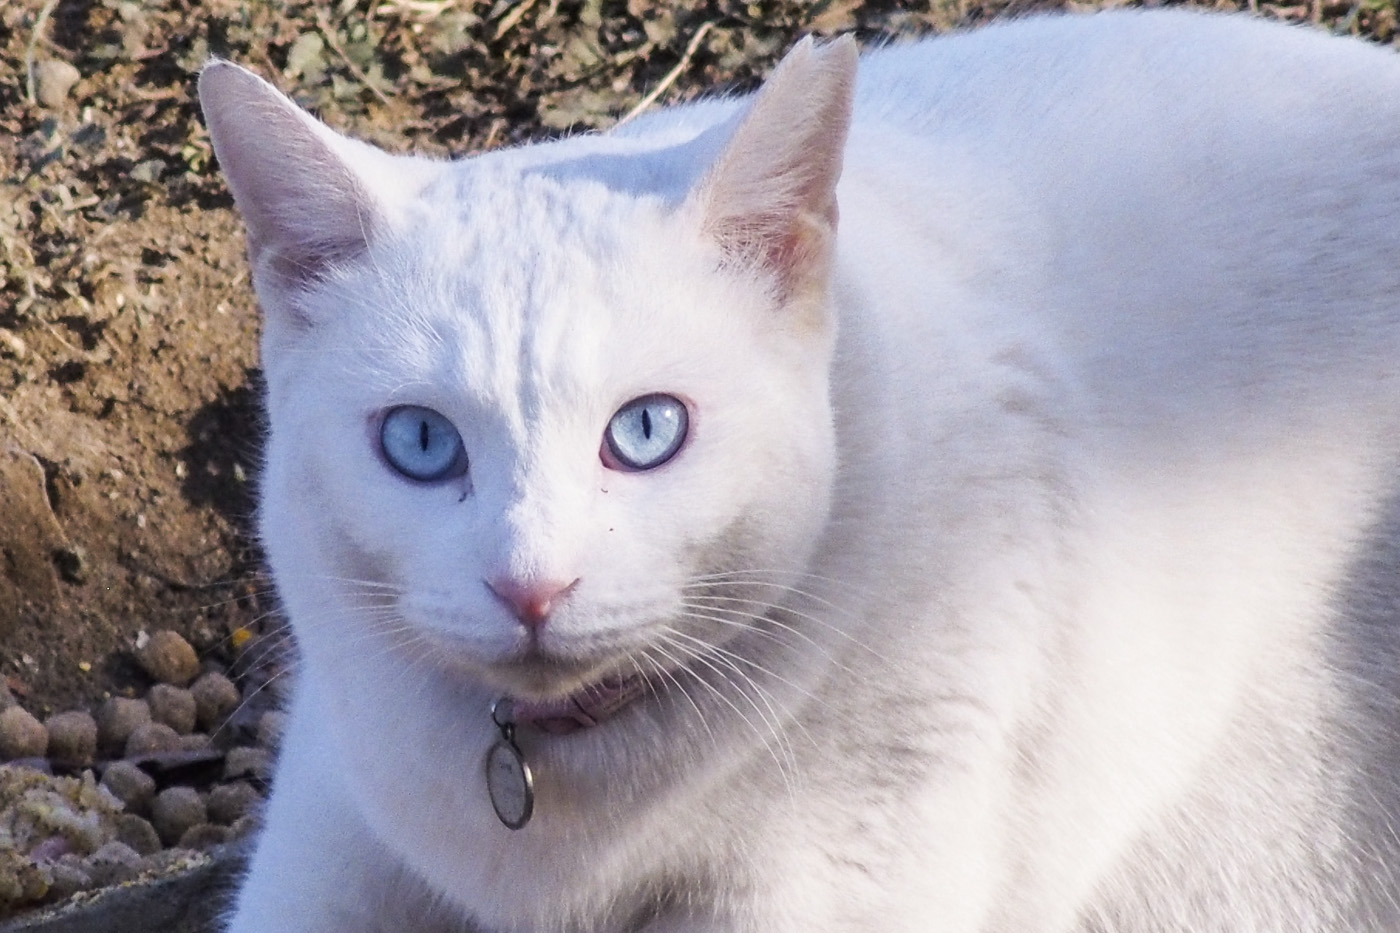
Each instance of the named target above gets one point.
<point>534,677</point>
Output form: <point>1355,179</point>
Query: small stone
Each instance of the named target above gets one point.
<point>174,706</point>
<point>129,784</point>
<point>13,344</point>
<point>116,720</point>
<point>204,837</point>
<point>151,737</point>
<point>246,762</point>
<point>138,833</point>
<point>229,803</point>
<point>21,735</point>
<point>194,742</point>
<point>214,696</point>
<point>168,658</point>
<point>50,850</point>
<point>175,810</point>
<point>271,725</point>
<point>67,878</point>
<point>245,826</point>
<point>72,737</point>
<point>53,79</point>
<point>148,171</point>
<point>112,864</point>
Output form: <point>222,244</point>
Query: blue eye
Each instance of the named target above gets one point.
<point>422,444</point>
<point>647,431</point>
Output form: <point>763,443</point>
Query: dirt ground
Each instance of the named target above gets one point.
<point>129,426</point>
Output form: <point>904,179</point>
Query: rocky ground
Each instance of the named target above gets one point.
<point>129,428</point>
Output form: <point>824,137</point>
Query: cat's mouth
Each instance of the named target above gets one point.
<point>581,709</point>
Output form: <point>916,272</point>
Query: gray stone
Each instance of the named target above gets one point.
<point>72,737</point>
<point>175,810</point>
<point>174,706</point>
<point>113,863</point>
<point>247,763</point>
<point>138,833</point>
<point>204,836</point>
<point>215,696</point>
<point>129,784</point>
<point>168,658</point>
<point>116,720</point>
<point>152,737</point>
<point>229,803</point>
<point>21,735</point>
<point>53,79</point>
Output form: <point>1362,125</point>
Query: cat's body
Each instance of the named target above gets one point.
<point>1053,537</point>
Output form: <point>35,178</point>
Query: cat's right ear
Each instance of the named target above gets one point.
<point>770,199</point>
<point>299,185</point>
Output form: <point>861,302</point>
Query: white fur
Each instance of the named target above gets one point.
<point>1069,502</point>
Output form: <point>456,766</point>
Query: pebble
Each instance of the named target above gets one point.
<point>229,803</point>
<point>51,849</point>
<point>113,863</point>
<point>168,658</point>
<point>174,706</point>
<point>151,737</point>
<point>53,79</point>
<point>116,720</point>
<point>270,728</point>
<point>72,737</point>
<point>245,825</point>
<point>244,762</point>
<point>138,833</point>
<point>194,742</point>
<point>214,696</point>
<point>203,837</point>
<point>21,735</point>
<point>67,878</point>
<point>129,784</point>
<point>175,810</point>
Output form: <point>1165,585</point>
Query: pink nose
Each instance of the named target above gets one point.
<point>530,600</point>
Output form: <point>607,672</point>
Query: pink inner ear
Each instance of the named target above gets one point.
<point>303,204</point>
<point>770,200</point>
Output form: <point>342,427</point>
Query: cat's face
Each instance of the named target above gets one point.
<point>504,376</point>
<point>519,318</point>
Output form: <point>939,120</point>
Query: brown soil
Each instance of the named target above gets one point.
<point>128,382</point>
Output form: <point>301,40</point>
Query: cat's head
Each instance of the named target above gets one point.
<point>530,411</point>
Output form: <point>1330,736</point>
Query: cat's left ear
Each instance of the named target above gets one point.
<point>770,199</point>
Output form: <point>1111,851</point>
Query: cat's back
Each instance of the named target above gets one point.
<point>1173,200</point>
<point>1135,69</point>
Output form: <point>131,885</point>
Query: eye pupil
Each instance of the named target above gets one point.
<point>423,436</point>
<point>646,423</point>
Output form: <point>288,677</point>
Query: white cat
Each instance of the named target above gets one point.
<point>997,540</point>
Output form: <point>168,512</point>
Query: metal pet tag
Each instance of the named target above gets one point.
<point>508,777</point>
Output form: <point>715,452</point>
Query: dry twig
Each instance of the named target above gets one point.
<point>671,75</point>
<point>328,33</point>
<point>44,13</point>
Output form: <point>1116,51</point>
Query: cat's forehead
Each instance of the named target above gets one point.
<point>514,286</point>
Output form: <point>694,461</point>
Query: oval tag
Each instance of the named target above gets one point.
<point>510,784</point>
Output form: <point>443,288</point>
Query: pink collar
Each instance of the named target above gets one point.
<point>581,710</point>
